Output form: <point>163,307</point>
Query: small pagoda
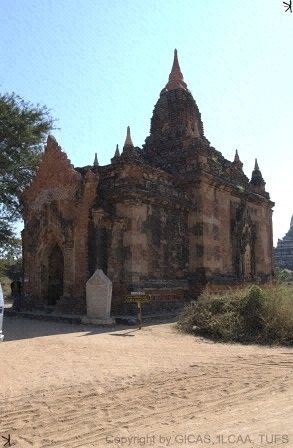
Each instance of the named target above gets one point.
<point>284,250</point>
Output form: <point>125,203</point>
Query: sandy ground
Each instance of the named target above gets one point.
<point>65,385</point>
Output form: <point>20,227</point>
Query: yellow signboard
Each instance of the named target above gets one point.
<point>138,298</point>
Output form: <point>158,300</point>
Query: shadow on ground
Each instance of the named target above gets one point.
<point>16,328</point>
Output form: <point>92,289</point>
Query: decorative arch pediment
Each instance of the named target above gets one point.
<point>56,178</point>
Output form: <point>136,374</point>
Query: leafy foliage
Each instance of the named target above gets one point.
<point>283,275</point>
<point>23,129</point>
<point>11,248</point>
<point>10,269</point>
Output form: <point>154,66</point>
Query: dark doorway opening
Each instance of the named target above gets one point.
<point>55,278</point>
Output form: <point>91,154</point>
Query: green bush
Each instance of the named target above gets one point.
<point>255,315</point>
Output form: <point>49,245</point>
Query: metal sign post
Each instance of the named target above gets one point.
<point>139,314</point>
<point>139,298</point>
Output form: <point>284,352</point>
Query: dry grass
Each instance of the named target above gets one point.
<point>254,314</point>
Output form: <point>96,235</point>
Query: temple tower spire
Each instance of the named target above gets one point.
<point>176,78</point>
<point>176,121</point>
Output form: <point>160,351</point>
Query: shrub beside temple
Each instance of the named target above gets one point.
<point>249,315</point>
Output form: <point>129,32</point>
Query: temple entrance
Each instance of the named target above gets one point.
<point>55,275</point>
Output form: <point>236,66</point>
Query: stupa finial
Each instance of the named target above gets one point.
<point>176,78</point>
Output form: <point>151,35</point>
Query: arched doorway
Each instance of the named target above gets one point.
<point>55,274</point>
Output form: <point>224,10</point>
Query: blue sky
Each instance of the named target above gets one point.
<point>100,65</point>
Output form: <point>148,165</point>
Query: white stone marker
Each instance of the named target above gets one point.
<point>98,299</point>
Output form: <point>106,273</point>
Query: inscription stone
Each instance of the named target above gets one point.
<point>98,299</point>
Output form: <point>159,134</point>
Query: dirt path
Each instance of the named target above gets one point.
<point>64,386</point>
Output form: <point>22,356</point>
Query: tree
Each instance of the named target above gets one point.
<point>23,130</point>
<point>10,264</point>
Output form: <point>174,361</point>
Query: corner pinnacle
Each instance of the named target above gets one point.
<point>128,141</point>
<point>116,156</point>
<point>256,177</point>
<point>96,162</point>
<point>117,152</point>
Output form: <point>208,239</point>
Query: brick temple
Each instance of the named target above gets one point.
<point>284,250</point>
<point>169,218</point>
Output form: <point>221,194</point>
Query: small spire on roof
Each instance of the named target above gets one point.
<point>96,162</point>
<point>237,162</point>
<point>117,152</point>
<point>128,141</point>
<point>176,78</point>
<point>116,156</point>
<point>256,177</point>
<point>236,157</point>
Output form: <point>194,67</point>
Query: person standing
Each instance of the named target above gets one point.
<point>16,293</point>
